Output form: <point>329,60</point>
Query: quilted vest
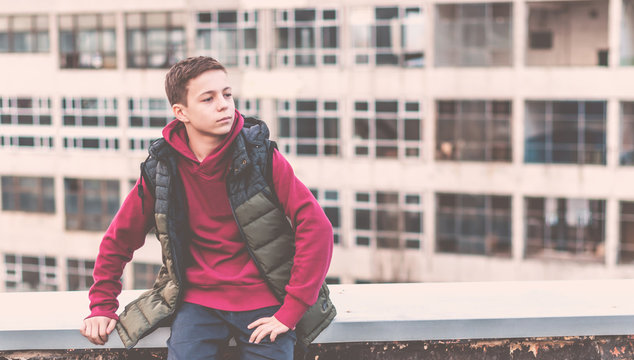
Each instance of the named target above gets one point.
<point>262,223</point>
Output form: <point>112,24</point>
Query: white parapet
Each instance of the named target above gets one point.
<point>375,312</point>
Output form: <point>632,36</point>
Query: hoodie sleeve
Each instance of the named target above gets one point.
<point>125,234</point>
<point>313,242</point>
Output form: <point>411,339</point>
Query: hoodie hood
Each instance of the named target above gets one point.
<point>175,134</point>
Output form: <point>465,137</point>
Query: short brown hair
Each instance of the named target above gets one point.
<point>179,75</point>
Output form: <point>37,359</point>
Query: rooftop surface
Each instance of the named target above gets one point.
<point>375,312</point>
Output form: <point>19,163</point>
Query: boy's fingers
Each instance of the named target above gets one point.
<point>103,332</point>
<point>256,323</point>
<point>254,334</point>
<point>262,335</point>
<point>94,334</point>
<point>111,325</point>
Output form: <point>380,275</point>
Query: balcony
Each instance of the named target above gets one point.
<point>476,320</point>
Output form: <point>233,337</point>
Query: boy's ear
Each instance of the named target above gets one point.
<point>180,112</point>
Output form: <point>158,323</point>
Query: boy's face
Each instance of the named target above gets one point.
<point>210,109</point>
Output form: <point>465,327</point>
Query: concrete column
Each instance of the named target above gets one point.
<point>614,32</point>
<point>520,28</point>
<point>611,232</point>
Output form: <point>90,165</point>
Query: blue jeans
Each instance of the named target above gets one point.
<point>199,332</point>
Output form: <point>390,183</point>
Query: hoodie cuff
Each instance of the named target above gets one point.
<point>103,312</point>
<point>291,311</point>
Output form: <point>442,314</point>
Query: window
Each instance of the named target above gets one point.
<point>565,228</point>
<point>30,273</point>
<point>79,273</point>
<point>89,111</point>
<point>329,201</point>
<point>388,36</point>
<point>87,41</point>
<point>231,37</point>
<point>553,42</point>
<point>308,127</point>
<point>307,37</point>
<point>473,224</point>
<point>91,143</point>
<point>24,34</point>
<point>626,156</point>
<point>388,220</point>
<point>248,107</point>
<point>25,111</point>
<point>474,34</point>
<point>387,128</point>
<point>149,112</point>
<point>155,40</point>
<point>29,194</point>
<point>473,130</point>
<point>90,204</point>
<point>139,144</point>
<point>565,132</point>
<point>26,142</point>
<point>626,245</point>
<point>145,275</point>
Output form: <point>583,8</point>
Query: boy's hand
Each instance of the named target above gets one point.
<point>266,326</point>
<point>97,329</point>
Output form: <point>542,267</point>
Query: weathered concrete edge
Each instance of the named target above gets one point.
<point>367,331</point>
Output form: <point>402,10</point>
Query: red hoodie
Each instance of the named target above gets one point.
<point>223,276</point>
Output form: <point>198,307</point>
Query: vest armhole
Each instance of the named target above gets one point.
<point>147,178</point>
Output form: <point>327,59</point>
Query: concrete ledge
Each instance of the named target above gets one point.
<point>375,313</point>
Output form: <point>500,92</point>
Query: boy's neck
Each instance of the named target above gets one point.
<point>202,146</point>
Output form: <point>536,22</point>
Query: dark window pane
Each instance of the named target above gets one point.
<point>305,15</point>
<point>284,124</point>
<point>412,129</point>
<point>306,128</point>
<point>330,105</point>
<point>306,149</point>
<point>331,128</point>
<point>225,17</point>
<point>386,106</point>
<point>89,121</point>
<point>362,128</point>
<point>136,121</point>
<point>306,105</point>
<point>329,37</point>
<point>386,129</point>
<point>25,119</point>
<point>45,120</point>
<point>110,121</point>
<point>333,215</point>
<point>26,141</point>
<point>383,37</point>
<point>361,106</point>
<point>411,106</point>
<point>330,15</point>
<point>386,13</point>
<point>362,219</point>
<point>204,17</point>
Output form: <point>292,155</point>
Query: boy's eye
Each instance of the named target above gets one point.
<point>207,99</point>
<point>228,95</point>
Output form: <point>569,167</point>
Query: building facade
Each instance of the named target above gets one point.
<point>446,141</point>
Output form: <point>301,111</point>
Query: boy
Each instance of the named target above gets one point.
<point>245,245</point>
